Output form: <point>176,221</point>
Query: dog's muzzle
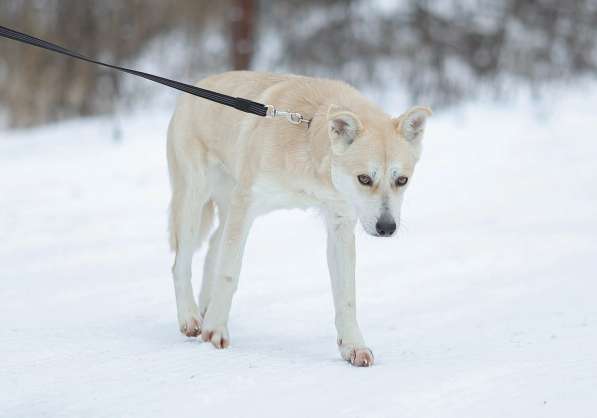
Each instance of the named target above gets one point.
<point>385,226</point>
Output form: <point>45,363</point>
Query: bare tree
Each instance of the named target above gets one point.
<point>242,29</point>
<point>439,51</point>
<point>37,86</point>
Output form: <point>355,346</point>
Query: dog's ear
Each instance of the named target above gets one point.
<point>343,128</point>
<point>411,124</point>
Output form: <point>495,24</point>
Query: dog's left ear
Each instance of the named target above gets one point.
<point>343,128</point>
<point>411,124</point>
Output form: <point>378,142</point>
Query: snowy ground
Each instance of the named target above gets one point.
<point>485,306</point>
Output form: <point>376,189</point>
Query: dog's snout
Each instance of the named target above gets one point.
<point>385,229</point>
<point>385,226</point>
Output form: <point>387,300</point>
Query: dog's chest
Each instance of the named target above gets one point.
<point>271,194</point>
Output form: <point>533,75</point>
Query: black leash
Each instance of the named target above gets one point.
<point>239,103</point>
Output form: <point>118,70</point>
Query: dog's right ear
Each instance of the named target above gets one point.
<point>343,128</point>
<point>411,124</point>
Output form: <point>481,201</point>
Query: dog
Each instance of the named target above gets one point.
<point>352,162</point>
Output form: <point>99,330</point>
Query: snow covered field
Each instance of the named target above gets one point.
<point>484,306</point>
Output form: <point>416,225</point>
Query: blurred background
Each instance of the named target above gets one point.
<point>487,294</point>
<point>435,52</point>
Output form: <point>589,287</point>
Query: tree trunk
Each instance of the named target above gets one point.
<point>242,24</point>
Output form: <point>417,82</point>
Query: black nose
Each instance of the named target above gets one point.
<point>385,227</point>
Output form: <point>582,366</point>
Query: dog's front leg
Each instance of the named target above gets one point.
<point>229,258</point>
<point>341,264</point>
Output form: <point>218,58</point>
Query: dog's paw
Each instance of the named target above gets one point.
<point>357,356</point>
<point>190,325</point>
<point>218,336</point>
<point>361,357</point>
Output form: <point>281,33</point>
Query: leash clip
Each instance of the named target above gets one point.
<point>293,117</point>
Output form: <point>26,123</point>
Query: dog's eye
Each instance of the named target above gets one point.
<point>365,180</point>
<point>401,181</point>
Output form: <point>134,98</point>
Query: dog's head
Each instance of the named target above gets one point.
<point>373,159</point>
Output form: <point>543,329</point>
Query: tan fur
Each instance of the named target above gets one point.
<point>248,165</point>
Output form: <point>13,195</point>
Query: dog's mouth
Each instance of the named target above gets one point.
<point>384,236</point>
<point>377,235</point>
<point>370,230</point>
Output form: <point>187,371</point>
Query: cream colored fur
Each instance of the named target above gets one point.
<point>247,166</point>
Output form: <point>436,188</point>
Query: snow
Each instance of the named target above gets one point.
<point>483,307</point>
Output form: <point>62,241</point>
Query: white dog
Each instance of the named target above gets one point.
<point>352,162</point>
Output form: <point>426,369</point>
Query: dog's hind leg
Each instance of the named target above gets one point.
<point>221,197</point>
<point>191,215</point>
<point>227,268</point>
<point>193,211</point>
